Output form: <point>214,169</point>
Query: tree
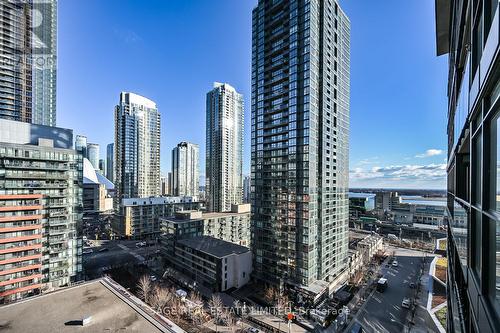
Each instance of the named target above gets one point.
<point>159,298</point>
<point>229,319</point>
<point>216,308</point>
<point>283,305</point>
<point>271,294</point>
<point>197,312</point>
<point>144,288</point>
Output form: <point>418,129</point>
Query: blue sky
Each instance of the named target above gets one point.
<point>172,52</point>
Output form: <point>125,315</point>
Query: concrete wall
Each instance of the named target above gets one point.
<point>17,132</point>
<point>237,264</point>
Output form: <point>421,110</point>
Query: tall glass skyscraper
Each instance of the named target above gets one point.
<point>300,142</point>
<point>224,154</point>
<point>186,169</point>
<point>137,144</point>
<point>110,158</point>
<point>44,64</point>
<point>28,54</point>
<point>15,56</point>
<point>81,144</point>
<point>93,154</point>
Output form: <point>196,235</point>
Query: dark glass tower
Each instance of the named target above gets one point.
<point>468,31</point>
<point>300,134</point>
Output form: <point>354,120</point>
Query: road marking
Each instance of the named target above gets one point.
<point>128,250</point>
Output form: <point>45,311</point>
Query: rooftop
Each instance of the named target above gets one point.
<point>361,195</point>
<point>213,246</point>
<point>157,201</point>
<point>60,311</point>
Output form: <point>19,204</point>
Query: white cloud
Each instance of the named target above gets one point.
<point>430,153</point>
<point>370,160</point>
<point>400,176</point>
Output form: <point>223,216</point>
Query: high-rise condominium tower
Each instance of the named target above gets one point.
<point>40,199</point>
<point>28,58</point>
<point>224,155</point>
<point>15,54</point>
<point>137,145</point>
<point>110,157</point>
<point>186,169</point>
<point>300,132</point>
<point>44,62</point>
<point>81,144</point>
<point>93,154</point>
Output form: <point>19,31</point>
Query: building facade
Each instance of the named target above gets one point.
<point>387,200</point>
<point>214,263</point>
<point>139,218</point>
<point>93,154</point>
<point>165,185</point>
<point>137,145</point>
<point>28,56</point>
<point>299,148</point>
<point>246,189</point>
<point>231,226</point>
<point>16,87</point>
<point>468,31</point>
<point>81,145</point>
<point>186,169</point>
<point>110,162</point>
<point>98,191</point>
<point>44,62</point>
<point>224,151</point>
<point>20,266</point>
<point>41,206</point>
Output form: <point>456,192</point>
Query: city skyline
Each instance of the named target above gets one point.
<point>413,161</point>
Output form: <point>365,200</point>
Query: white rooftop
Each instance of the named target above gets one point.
<point>138,99</point>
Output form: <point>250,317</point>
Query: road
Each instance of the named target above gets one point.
<point>382,313</point>
<point>119,253</point>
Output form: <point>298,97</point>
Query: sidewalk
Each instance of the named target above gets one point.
<point>422,321</point>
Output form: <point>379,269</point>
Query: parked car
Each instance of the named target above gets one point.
<point>394,263</point>
<point>88,251</point>
<point>406,303</point>
<point>153,278</point>
<point>412,285</point>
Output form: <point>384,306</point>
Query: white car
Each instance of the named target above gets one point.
<point>406,303</point>
<point>394,263</point>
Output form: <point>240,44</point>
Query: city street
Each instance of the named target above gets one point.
<point>383,313</point>
<point>118,253</point>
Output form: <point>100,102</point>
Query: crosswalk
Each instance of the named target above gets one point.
<point>128,250</point>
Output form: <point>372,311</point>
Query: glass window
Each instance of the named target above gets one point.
<point>459,231</point>
<point>477,144</point>
<point>495,164</point>
<point>497,261</point>
<point>476,242</point>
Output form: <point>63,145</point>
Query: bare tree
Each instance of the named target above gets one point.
<point>195,297</point>
<point>159,298</point>
<point>216,308</point>
<point>174,304</point>
<point>282,305</point>
<point>237,306</point>
<point>271,294</point>
<point>144,288</point>
<point>229,320</point>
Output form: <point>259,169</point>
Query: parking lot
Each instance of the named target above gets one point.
<point>383,311</point>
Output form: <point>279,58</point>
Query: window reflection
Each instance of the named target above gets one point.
<point>459,231</point>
